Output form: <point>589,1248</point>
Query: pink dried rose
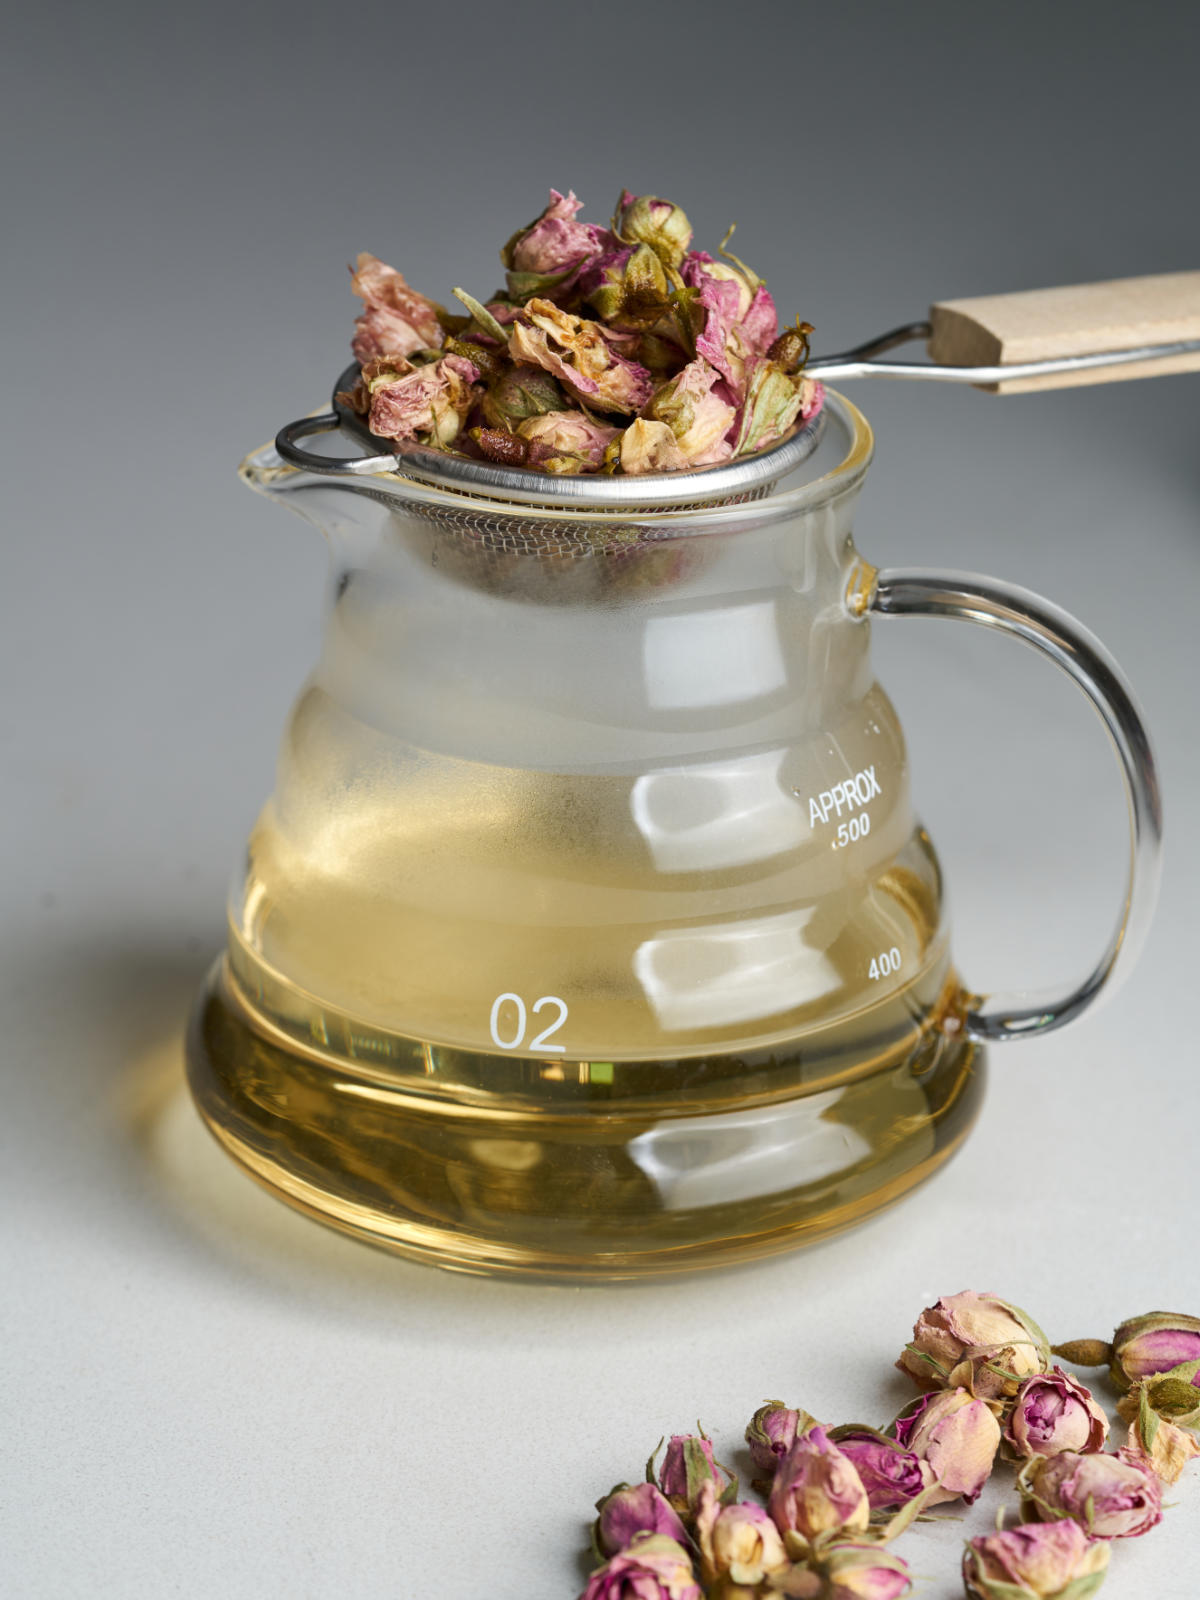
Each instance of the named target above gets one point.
<point>630,1509</point>
<point>976,1341</point>
<point>844,1569</point>
<point>738,1543</point>
<point>427,402</point>
<point>580,356</point>
<point>566,441</point>
<point>957,1435</point>
<point>645,219</point>
<point>891,1475</point>
<point>546,257</point>
<point>1153,1343</point>
<point>653,1567</point>
<point>816,1490</point>
<point>1109,1496</point>
<point>1052,1412</point>
<point>396,320</point>
<point>739,317</point>
<point>1042,1561</point>
<point>771,1433</point>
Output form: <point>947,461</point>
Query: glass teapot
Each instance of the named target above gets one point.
<point>589,930</point>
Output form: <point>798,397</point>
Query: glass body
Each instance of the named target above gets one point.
<point>589,929</point>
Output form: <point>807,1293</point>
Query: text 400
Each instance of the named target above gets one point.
<point>884,964</point>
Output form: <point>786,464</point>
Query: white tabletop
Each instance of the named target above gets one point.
<point>209,1396</point>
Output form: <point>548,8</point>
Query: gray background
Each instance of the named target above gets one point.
<point>209,1396</point>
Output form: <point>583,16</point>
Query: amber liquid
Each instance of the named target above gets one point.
<point>588,1024</point>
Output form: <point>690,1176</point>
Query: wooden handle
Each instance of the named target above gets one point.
<point>1044,324</point>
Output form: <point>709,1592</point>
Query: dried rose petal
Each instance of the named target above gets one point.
<point>580,356</point>
<point>547,257</point>
<point>396,320</point>
<point>631,1509</point>
<point>816,1490</point>
<point>653,1567</point>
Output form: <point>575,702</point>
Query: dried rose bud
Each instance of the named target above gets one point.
<point>649,447</point>
<point>492,365</point>
<point>644,219</point>
<point>891,1475</point>
<point>688,1464</point>
<point>843,1569</point>
<point>771,1433</point>
<point>977,1341</point>
<point>653,1567</point>
<point>1109,1496</point>
<point>519,393</point>
<point>547,257</point>
<point>1044,1561</point>
<point>1052,1412</point>
<point>738,1543</point>
<point>427,403</point>
<point>630,1509</point>
<point>566,441</point>
<point>1153,1343</point>
<point>698,418</point>
<point>957,1435</point>
<point>816,1490</point>
<point>1159,1411</point>
<point>578,353</point>
<point>396,320</point>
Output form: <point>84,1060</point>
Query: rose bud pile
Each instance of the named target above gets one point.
<point>836,1497</point>
<point>609,349</point>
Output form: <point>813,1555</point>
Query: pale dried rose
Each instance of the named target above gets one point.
<point>774,400</point>
<point>645,219</point>
<point>738,1542</point>
<point>1052,1412</point>
<point>428,403</point>
<point>1042,1561</point>
<point>649,447</point>
<point>975,1340</point>
<point>1109,1496</point>
<point>520,393</point>
<point>1160,1412</point>
<point>396,320</point>
<point>698,419</point>
<point>817,1491</point>
<point>846,1569</point>
<point>580,356</point>
<point>957,1435</point>
<point>566,441</point>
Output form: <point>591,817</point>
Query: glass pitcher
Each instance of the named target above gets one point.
<point>589,930</point>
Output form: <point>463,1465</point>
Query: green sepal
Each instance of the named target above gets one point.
<point>1147,1420</point>
<point>907,1515</point>
<point>523,286</point>
<point>752,277</point>
<point>483,317</point>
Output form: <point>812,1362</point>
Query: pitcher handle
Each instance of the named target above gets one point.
<point>974,598</point>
